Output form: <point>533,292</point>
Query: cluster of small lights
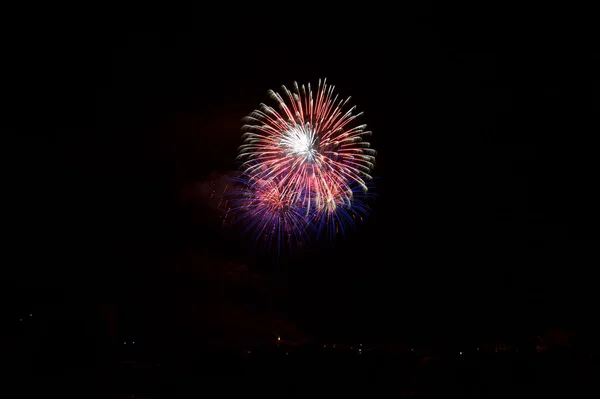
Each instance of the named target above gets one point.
<point>21,318</point>
<point>359,350</point>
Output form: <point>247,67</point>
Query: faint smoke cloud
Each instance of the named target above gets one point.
<point>209,192</point>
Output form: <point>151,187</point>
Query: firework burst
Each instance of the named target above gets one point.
<point>268,212</point>
<point>312,156</point>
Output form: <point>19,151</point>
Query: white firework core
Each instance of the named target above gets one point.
<point>300,141</point>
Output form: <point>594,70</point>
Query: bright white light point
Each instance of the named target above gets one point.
<point>133,342</point>
<point>299,141</point>
<point>460,353</point>
<point>30,314</point>
<point>278,338</point>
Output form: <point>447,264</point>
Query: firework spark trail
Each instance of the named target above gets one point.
<point>311,157</point>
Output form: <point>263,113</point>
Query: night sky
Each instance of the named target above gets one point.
<point>486,215</point>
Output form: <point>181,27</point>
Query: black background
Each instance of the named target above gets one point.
<point>484,120</point>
